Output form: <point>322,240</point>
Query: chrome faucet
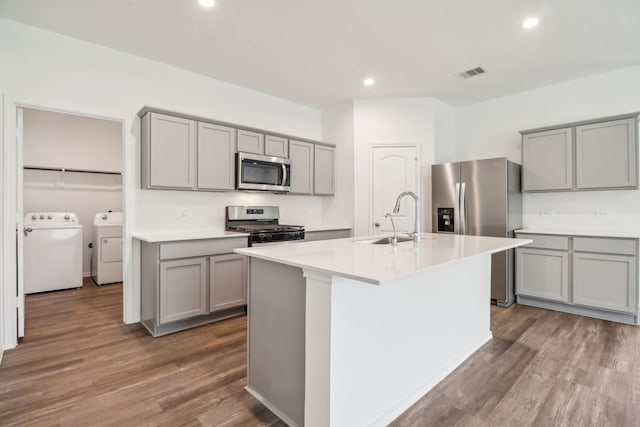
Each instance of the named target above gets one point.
<point>416,225</point>
<point>394,239</point>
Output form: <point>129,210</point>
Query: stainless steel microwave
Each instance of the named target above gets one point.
<point>256,172</point>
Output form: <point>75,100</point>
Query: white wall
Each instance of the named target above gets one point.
<point>44,69</point>
<point>337,128</point>
<point>490,129</point>
<point>3,242</point>
<point>426,122</point>
<point>57,140</point>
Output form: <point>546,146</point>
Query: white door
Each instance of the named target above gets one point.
<point>395,168</point>
<point>19,224</point>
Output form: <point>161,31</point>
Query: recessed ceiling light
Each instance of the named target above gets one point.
<point>207,3</point>
<point>530,23</point>
<point>369,81</point>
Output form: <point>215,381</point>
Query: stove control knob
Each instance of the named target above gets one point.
<point>34,217</point>
<point>49,217</point>
<point>41,216</point>
<point>67,217</point>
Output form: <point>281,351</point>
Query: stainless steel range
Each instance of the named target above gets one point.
<point>263,224</point>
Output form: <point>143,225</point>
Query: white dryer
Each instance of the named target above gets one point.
<point>106,264</point>
<point>52,251</point>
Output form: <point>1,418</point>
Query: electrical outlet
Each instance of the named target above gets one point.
<point>183,215</point>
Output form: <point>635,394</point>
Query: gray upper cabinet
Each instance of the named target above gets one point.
<point>250,142</point>
<point>276,146</point>
<point>606,155</point>
<point>184,152</point>
<point>169,152</point>
<point>600,154</point>
<point>216,150</point>
<point>547,160</point>
<point>302,166</point>
<point>324,170</point>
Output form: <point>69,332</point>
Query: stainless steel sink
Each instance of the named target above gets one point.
<point>384,240</point>
<point>387,240</point>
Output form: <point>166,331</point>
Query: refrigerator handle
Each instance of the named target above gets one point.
<point>463,209</point>
<point>458,207</point>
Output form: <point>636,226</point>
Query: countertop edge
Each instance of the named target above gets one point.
<point>159,237</point>
<point>580,233</point>
<point>376,281</point>
<point>320,229</point>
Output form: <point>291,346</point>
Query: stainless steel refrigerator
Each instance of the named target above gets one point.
<point>481,198</point>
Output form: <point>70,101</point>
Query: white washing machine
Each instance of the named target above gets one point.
<point>52,251</point>
<point>106,263</point>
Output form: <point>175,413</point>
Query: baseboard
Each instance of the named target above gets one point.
<point>402,405</point>
<point>628,318</point>
<point>271,407</point>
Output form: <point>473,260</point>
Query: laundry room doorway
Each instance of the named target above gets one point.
<point>70,210</point>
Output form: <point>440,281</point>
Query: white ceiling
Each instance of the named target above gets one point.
<point>317,52</point>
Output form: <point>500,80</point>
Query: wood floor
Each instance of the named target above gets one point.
<point>78,365</point>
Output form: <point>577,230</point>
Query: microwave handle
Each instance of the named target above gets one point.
<point>284,174</point>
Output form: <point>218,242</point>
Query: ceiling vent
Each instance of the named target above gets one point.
<point>472,72</point>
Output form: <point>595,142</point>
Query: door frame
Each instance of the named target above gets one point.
<point>407,144</point>
<point>12,194</point>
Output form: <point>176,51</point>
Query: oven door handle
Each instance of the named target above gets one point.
<point>284,174</point>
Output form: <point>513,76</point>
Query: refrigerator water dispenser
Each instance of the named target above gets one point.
<point>445,220</point>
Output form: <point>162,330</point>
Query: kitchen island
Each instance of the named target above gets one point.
<point>347,332</point>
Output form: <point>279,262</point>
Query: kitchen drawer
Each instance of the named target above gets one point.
<point>605,245</point>
<point>545,241</point>
<point>204,247</point>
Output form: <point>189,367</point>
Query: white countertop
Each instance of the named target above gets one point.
<point>630,234</point>
<point>379,264</point>
<point>175,235</point>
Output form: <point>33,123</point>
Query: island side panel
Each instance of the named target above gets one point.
<point>390,344</point>
<point>276,343</point>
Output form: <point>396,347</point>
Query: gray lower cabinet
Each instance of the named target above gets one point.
<point>593,276</point>
<point>183,289</point>
<point>542,273</point>
<point>227,282</point>
<point>302,166</point>
<point>192,282</point>
<point>324,170</point>
<point>605,281</point>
